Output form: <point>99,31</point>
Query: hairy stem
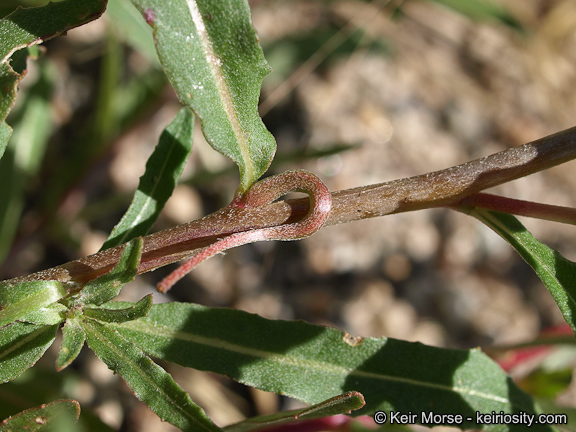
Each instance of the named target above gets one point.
<point>436,189</point>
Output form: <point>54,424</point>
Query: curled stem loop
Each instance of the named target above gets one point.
<point>261,193</point>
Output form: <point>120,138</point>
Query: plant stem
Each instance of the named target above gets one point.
<point>264,192</point>
<point>519,207</point>
<point>445,188</point>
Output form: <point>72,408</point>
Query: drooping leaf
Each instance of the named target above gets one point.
<point>138,310</point>
<point>49,417</point>
<point>21,346</point>
<point>163,170</point>
<point>73,338</point>
<point>18,300</point>
<point>107,286</point>
<point>342,404</point>
<point>556,272</point>
<point>32,26</point>
<point>210,52</point>
<point>314,363</point>
<point>149,382</point>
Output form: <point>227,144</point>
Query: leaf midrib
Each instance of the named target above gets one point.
<point>163,331</point>
<point>215,63</point>
<point>135,366</point>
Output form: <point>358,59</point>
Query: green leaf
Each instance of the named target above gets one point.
<point>556,272</point>
<point>314,363</point>
<point>18,300</point>
<point>107,286</point>
<point>32,26</point>
<point>73,338</point>
<point>163,170</point>
<point>342,404</point>
<point>5,134</point>
<point>49,417</point>
<point>149,382</point>
<point>21,346</point>
<point>9,81</point>
<point>138,310</point>
<point>54,313</point>
<point>210,52</point>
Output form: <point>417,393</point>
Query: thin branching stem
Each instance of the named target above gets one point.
<point>444,188</point>
<point>518,207</point>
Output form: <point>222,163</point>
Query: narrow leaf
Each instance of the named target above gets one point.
<point>210,52</point>
<point>149,382</point>
<point>73,338</point>
<point>16,301</point>
<point>139,310</point>
<point>342,404</point>
<point>107,286</point>
<point>314,363</point>
<point>163,170</point>
<point>556,272</point>
<point>32,26</point>
<point>21,346</point>
<point>50,417</point>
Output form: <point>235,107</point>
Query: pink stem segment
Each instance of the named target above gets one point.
<point>265,192</point>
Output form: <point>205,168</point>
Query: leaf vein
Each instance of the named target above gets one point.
<point>215,65</point>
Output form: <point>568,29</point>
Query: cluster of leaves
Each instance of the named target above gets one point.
<point>210,53</point>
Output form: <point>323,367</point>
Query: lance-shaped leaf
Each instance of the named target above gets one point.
<point>21,346</point>
<point>342,404</point>
<point>149,382</point>
<point>16,301</point>
<point>163,170</point>
<point>32,26</point>
<point>73,338</point>
<point>556,272</point>
<point>107,286</point>
<point>211,55</point>
<point>314,363</point>
<point>53,416</point>
<point>112,315</point>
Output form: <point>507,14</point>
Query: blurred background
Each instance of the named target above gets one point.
<point>361,92</point>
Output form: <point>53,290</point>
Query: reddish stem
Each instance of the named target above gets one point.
<point>436,189</point>
<point>519,207</point>
<point>261,193</point>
